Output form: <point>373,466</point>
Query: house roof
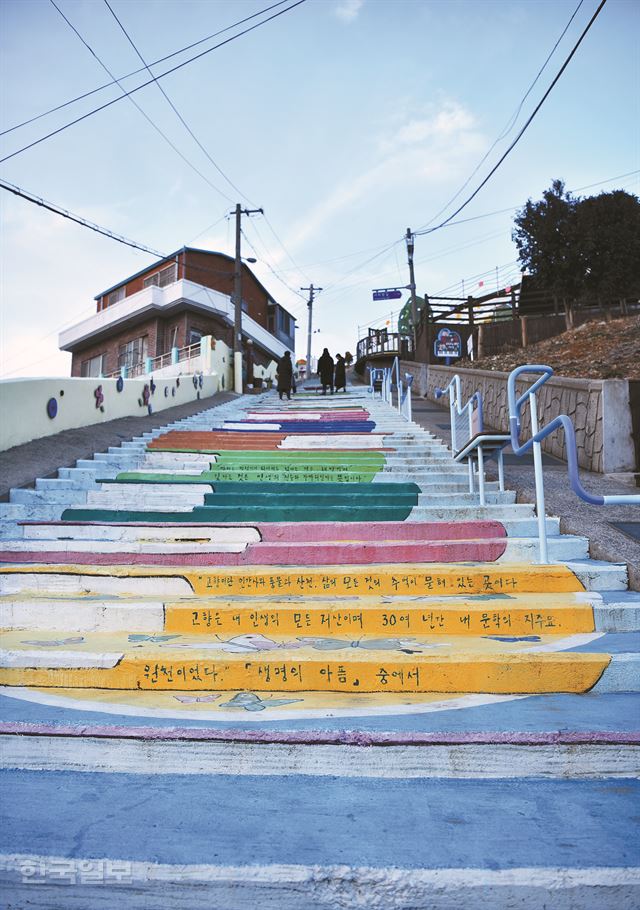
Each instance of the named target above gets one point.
<point>190,249</point>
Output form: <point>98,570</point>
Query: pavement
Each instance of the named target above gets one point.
<point>21,465</point>
<point>606,542</point>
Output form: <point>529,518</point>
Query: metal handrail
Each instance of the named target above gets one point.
<point>472,408</point>
<point>475,415</point>
<point>562,421</point>
<point>385,375</point>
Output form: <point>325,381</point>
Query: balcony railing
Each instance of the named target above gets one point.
<point>185,355</point>
<point>392,343</point>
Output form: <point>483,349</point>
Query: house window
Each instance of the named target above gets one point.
<point>133,353</point>
<point>162,278</point>
<point>194,336</point>
<point>95,366</point>
<point>116,296</point>
<point>285,322</point>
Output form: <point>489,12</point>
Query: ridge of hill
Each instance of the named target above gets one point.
<point>594,350</point>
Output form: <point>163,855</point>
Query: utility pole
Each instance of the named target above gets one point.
<point>312,292</point>
<point>409,237</point>
<point>237,298</point>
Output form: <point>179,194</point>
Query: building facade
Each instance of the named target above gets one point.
<point>170,306</point>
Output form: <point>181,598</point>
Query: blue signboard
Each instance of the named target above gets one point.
<point>387,294</point>
<point>447,344</point>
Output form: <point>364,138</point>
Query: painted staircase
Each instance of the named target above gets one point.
<point>315,565</point>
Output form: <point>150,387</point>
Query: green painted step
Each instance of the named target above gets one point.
<point>269,474</point>
<point>249,513</point>
<point>308,490</point>
<point>306,456</point>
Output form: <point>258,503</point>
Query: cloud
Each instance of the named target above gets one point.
<point>348,10</point>
<point>434,149</point>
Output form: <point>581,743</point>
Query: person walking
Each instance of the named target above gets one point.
<point>325,371</point>
<point>285,375</point>
<point>340,374</point>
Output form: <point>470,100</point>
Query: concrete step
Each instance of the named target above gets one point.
<point>513,550</point>
<point>14,511</point>
<point>47,497</point>
<point>526,615</point>
<point>419,663</point>
<point>385,580</point>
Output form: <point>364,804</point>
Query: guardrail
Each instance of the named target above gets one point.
<point>383,342</point>
<point>468,437</point>
<point>562,421</point>
<point>381,380</point>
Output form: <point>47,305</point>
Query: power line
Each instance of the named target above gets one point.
<point>138,107</point>
<point>287,253</point>
<point>173,69</point>
<point>83,222</point>
<point>173,107</point>
<point>524,128</point>
<point>273,272</point>
<point>51,207</point>
<point>98,229</point>
<point>101,88</point>
<point>512,121</point>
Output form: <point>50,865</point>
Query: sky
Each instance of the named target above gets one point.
<point>346,120</point>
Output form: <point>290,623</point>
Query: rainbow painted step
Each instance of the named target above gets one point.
<point>442,542</point>
<point>298,426</point>
<point>211,441</point>
<point>306,663</point>
<point>347,581</point>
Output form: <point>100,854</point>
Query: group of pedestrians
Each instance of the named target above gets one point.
<point>333,374</point>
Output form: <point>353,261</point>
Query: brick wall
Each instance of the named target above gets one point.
<point>110,346</point>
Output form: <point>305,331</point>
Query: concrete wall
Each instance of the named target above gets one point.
<point>599,408</point>
<point>23,402</point>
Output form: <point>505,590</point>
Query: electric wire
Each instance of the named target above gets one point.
<point>173,107</point>
<point>512,121</point>
<point>101,88</point>
<point>524,128</point>
<point>139,108</point>
<point>173,69</point>
<point>274,273</point>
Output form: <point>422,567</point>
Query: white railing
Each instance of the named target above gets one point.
<point>382,380</point>
<point>467,422</point>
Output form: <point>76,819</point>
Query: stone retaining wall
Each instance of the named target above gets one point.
<point>599,408</point>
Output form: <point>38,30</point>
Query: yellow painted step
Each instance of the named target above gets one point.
<point>314,663</point>
<point>398,580</point>
<point>545,614</point>
<point>517,674</point>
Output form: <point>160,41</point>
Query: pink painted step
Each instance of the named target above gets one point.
<point>304,532</point>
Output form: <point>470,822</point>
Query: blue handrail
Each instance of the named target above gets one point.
<point>562,421</point>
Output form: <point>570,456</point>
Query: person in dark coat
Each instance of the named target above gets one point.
<point>325,371</point>
<point>340,374</point>
<point>285,375</point>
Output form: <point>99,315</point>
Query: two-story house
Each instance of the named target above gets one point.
<point>171,305</point>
